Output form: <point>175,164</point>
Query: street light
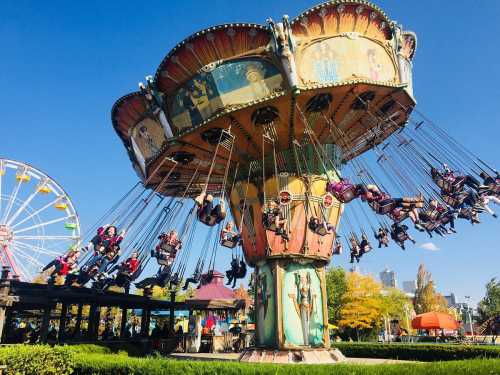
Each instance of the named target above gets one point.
<point>470,317</point>
<point>407,312</point>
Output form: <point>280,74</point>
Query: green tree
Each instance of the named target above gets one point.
<point>336,286</point>
<point>395,305</point>
<point>489,306</point>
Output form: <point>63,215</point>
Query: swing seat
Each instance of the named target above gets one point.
<point>163,262</point>
<point>337,251</point>
<point>272,227</point>
<point>229,243</point>
<point>168,248</point>
<point>207,220</point>
<point>321,230</point>
<point>402,236</point>
<point>383,207</point>
<point>347,194</point>
<point>451,200</point>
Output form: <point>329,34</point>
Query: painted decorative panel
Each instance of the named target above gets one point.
<point>265,306</point>
<point>345,57</point>
<point>147,138</point>
<point>302,306</point>
<point>405,70</point>
<point>223,85</point>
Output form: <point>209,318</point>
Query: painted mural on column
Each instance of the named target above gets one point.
<point>265,306</point>
<point>302,306</point>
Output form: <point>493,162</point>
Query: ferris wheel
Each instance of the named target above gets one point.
<point>38,222</point>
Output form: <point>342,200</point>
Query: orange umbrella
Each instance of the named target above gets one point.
<point>434,320</point>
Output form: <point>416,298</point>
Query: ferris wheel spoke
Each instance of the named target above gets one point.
<point>22,207</point>
<point>33,214</point>
<point>1,176</point>
<point>20,267</point>
<point>12,199</point>
<point>47,238</point>
<point>37,248</point>
<point>7,257</point>
<point>18,252</point>
<point>45,223</point>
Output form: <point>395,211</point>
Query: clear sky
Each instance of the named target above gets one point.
<point>63,64</point>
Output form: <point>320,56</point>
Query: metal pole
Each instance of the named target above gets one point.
<point>408,322</point>
<point>172,311</point>
<point>470,318</point>
<point>62,322</point>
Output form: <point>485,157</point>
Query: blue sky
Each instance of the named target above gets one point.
<point>63,64</point>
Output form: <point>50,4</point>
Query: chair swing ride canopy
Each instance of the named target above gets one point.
<point>270,86</point>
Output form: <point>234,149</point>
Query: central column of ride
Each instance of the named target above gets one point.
<point>289,281</point>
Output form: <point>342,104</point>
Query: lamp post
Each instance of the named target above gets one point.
<point>407,312</point>
<point>470,317</point>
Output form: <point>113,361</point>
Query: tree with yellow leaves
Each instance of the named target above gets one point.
<point>426,297</point>
<point>361,303</point>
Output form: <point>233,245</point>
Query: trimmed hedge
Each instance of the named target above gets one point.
<point>99,364</point>
<point>418,352</point>
<point>81,360</point>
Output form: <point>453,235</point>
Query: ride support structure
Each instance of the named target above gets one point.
<point>296,99</point>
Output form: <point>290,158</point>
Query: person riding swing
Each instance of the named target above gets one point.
<point>383,204</point>
<point>365,245</point>
<point>238,271</point>
<point>399,233</point>
<point>491,185</point>
<point>229,237</point>
<point>274,219</point>
<point>106,247</point>
<point>62,265</point>
<point>106,237</point>
<point>126,272</point>
<point>355,249</point>
<point>344,190</point>
<point>166,251</point>
<point>382,237</point>
<point>320,227</point>
<point>207,213</point>
<point>337,247</point>
<point>450,183</point>
<point>196,278</point>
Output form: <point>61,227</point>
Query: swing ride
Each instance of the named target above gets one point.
<point>37,219</point>
<point>255,124</point>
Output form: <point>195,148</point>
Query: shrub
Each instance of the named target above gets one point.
<point>418,352</point>
<point>120,365</point>
<point>136,349</point>
<point>38,359</point>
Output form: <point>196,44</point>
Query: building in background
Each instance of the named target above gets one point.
<point>452,301</point>
<point>388,278</point>
<point>410,286</point>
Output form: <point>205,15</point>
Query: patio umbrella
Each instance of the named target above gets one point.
<point>434,320</point>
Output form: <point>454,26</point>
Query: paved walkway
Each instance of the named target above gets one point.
<point>235,356</point>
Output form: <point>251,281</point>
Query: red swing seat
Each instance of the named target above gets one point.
<point>347,194</point>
